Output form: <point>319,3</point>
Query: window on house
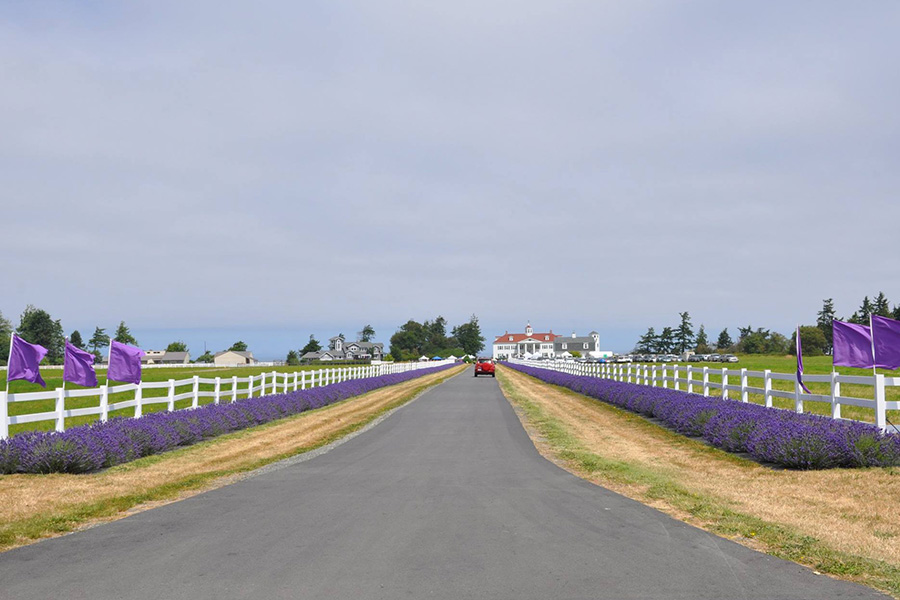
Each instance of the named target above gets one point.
<point>510,338</point>
<point>585,346</point>
<point>565,346</point>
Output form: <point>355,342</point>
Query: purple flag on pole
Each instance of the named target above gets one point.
<point>886,333</point>
<point>852,345</point>
<point>124,363</point>
<point>24,359</point>
<point>78,366</point>
<point>800,364</point>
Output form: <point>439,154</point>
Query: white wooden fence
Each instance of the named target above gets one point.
<point>697,379</point>
<point>227,389</point>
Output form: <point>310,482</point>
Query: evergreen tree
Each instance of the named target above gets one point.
<point>75,339</point>
<point>98,340</point>
<point>744,332</point>
<point>5,333</point>
<point>684,335</point>
<point>468,335</point>
<point>123,335</point>
<point>824,319</point>
<point>702,346</point>
<point>312,345</point>
<point>896,312</point>
<point>367,334</point>
<point>666,342</point>
<point>861,316</point>
<point>647,343</point>
<point>206,357</point>
<point>37,327</point>
<point>292,358</point>
<point>724,342</point>
<point>881,306</point>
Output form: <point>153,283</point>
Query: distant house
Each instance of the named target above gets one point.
<point>339,349</point>
<point>584,345</point>
<point>162,357</point>
<point>231,358</point>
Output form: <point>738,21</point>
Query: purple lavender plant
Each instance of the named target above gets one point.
<point>103,444</point>
<point>781,437</point>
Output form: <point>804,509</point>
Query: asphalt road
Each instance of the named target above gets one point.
<point>447,498</point>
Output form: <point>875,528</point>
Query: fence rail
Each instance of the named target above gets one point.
<point>697,379</point>
<point>228,389</point>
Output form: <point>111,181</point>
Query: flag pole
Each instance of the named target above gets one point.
<point>65,354</point>
<point>872,338</point>
<point>8,360</point>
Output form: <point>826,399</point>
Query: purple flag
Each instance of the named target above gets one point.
<point>78,366</point>
<point>852,345</point>
<point>886,333</point>
<point>124,363</point>
<point>800,364</point>
<point>24,359</point>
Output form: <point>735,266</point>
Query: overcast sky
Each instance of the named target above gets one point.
<point>209,170</point>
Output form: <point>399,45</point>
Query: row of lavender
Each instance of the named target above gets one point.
<point>781,437</point>
<point>103,444</point>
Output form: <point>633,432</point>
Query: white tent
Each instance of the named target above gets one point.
<point>451,357</point>
<point>423,358</point>
<point>564,355</point>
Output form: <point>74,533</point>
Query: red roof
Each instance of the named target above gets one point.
<point>518,337</point>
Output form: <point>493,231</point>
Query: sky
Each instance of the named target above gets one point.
<point>214,171</point>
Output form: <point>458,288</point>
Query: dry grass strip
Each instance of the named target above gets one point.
<point>37,506</point>
<point>841,521</point>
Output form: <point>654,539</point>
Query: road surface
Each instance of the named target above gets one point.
<point>447,498</point>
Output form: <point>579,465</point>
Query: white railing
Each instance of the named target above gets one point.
<point>697,379</point>
<point>227,389</point>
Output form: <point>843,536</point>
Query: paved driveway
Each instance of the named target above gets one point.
<point>447,498</point>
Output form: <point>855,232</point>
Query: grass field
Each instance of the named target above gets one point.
<point>842,522</point>
<point>814,365</point>
<point>53,378</point>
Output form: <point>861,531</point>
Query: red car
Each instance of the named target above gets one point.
<point>484,366</point>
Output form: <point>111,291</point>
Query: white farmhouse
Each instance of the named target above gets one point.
<point>522,344</point>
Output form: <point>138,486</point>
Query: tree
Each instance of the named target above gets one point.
<point>367,334</point>
<point>98,340</point>
<point>206,357</point>
<point>684,335</point>
<point>292,358</point>
<point>468,335</point>
<point>812,340</point>
<point>665,343</point>
<point>238,346</point>
<point>312,345</point>
<point>75,339</point>
<point>409,341</point>
<point>881,306</point>
<point>123,335</point>
<point>744,332</point>
<point>178,346</point>
<point>37,327</point>
<point>647,343</point>
<point>5,333</point>
<point>724,342</point>
<point>702,346</point>
<point>763,341</point>
<point>824,320</point>
<point>861,316</point>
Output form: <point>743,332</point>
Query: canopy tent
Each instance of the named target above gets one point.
<point>423,358</point>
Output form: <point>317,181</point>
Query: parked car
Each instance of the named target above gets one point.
<point>484,366</point>
<point>623,359</point>
<point>730,358</point>
<point>715,358</point>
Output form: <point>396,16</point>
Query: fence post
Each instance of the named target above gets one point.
<point>234,385</point>
<point>262,384</point>
<point>653,376</point>
<point>798,400</point>
<point>196,401</point>
<point>303,380</point>
<point>104,402</point>
<point>60,409</point>
<point>745,395</point>
<point>724,383</point>
<point>4,416</point>
<point>138,398</point>
<point>295,381</point>
<point>665,376</point>
<point>880,406</point>
<point>629,373</point>
<point>835,394</point>
<point>675,374</point>
<point>250,387</point>
<point>690,379</point>
<point>706,381</point>
<point>285,383</point>
<point>274,382</point>
<point>171,405</point>
<point>767,387</point>
<point>218,390</point>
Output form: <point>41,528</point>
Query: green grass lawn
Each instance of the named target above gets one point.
<point>812,365</point>
<point>53,378</point>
